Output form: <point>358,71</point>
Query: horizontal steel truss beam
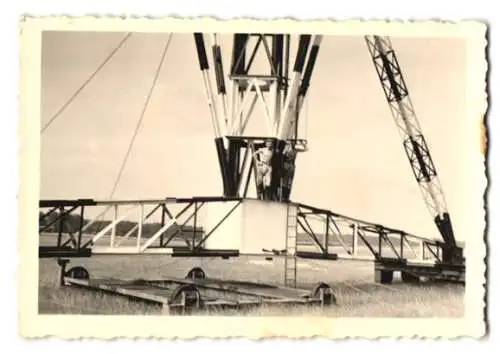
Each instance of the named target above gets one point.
<point>342,237</point>
<point>52,203</point>
<point>65,231</point>
<point>365,241</point>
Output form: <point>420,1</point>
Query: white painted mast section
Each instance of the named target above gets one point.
<point>241,108</point>
<point>237,119</point>
<point>244,111</point>
<point>289,107</point>
<point>275,94</point>
<point>274,109</point>
<point>233,101</point>
<point>275,104</point>
<point>288,128</point>
<point>267,114</point>
<point>301,99</point>
<point>207,85</point>
<point>219,118</point>
<point>210,101</point>
<point>244,123</point>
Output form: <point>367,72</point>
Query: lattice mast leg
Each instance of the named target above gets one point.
<point>279,89</point>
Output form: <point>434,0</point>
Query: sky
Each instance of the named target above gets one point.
<point>356,164</point>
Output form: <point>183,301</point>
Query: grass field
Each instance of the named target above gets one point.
<point>357,294</point>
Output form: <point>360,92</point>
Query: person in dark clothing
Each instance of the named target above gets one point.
<point>289,155</point>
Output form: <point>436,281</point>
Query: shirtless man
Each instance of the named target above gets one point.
<point>263,164</point>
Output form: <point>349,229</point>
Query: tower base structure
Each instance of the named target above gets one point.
<point>252,226</point>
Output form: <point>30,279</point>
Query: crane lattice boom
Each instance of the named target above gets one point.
<point>396,93</point>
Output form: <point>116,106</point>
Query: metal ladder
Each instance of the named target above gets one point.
<point>291,247</point>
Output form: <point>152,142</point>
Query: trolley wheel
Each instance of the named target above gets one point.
<point>325,293</point>
<point>196,273</point>
<point>78,272</point>
<point>186,295</point>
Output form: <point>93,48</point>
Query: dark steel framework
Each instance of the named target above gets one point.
<point>231,106</point>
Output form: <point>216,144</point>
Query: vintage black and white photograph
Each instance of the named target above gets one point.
<point>256,172</point>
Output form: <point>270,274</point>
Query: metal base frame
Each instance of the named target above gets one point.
<point>196,292</point>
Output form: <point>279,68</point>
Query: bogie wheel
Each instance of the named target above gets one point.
<point>408,277</point>
<point>186,295</point>
<point>78,272</point>
<point>325,293</point>
<point>196,273</point>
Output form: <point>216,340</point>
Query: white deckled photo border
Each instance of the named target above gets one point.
<point>77,326</point>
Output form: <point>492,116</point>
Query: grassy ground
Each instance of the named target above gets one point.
<point>352,282</point>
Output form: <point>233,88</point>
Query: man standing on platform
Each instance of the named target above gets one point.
<point>263,159</point>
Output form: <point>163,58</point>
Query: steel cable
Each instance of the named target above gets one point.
<point>80,89</point>
<point>129,149</point>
